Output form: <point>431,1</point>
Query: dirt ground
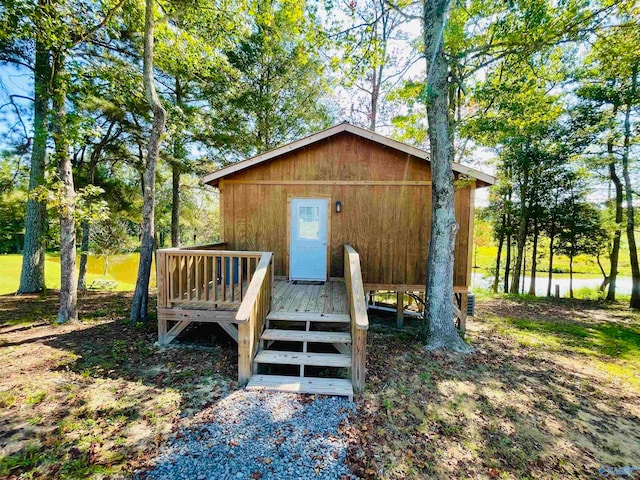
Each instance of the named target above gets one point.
<point>553,391</point>
<point>96,399</point>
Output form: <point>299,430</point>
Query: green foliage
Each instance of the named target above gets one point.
<point>11,219</point>
<point>85,203</point>
<point>582,230</point>
<point>278,95</point>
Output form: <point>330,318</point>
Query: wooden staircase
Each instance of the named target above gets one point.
<point>304,343</point>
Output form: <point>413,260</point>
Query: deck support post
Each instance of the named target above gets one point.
<point>244,353</point>
<point>358,356</point>
<point>161,281</point>
<point>162,330</point>
<point>464,301</point>
<point>400,309</point>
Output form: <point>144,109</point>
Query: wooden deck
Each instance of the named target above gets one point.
<point>310,297</point>
<point>313,328</point>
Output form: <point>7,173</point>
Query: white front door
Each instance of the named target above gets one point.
<point>308,245</point>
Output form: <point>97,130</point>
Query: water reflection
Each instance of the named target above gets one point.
<point>623,284</point>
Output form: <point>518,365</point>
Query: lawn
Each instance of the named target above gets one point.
<point>122,270</point>
<point>552,392</point>
<point>485,258</point>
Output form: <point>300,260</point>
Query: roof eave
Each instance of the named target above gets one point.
<point>213,178</point>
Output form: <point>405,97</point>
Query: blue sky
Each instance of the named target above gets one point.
<point>14,81</point>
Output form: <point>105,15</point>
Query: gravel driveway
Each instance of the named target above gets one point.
<point>260,436</point>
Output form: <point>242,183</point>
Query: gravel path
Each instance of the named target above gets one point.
<point>260,436</point>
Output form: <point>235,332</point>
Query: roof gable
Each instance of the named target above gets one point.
<point>213,178</point>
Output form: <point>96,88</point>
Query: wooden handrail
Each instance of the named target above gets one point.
<point>355,288</point>
<point>255,287</point>
<point>252,314</point>
<point>187,251</point>
<point>208,246</point>
<point>359,318</point>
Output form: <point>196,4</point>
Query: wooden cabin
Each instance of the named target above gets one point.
<point>307,231</point>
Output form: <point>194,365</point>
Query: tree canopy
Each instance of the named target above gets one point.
<point>549,89</point>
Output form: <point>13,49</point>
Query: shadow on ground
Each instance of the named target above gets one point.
<point>95,398</point>
<point>547,395</point>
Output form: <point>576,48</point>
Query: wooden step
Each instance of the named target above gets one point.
<point>303,336</point>
<point>310,317</point>
<point>320,386</point>
<point>301,358</point>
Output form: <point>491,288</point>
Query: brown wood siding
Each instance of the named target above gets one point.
<point>388,224</point>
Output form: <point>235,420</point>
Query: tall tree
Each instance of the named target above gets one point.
<point>372,35</point>
<point>72,36</point>
<point>609,82</point>
<point>68,286</point>
<point>32,273</point>
<point>438,327</point>
<point>280,84</point>
<point>139,308</point>
<point>630,101</point>
<point>582,231</point>
<point>23,29</point>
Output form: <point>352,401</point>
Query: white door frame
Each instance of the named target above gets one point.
<point>290,231</point>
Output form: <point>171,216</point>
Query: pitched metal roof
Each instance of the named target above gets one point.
<point>212,178</point>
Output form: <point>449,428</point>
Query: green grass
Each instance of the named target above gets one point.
<point>549,393</point>
<point>485,257</point>
<point>612,347</point>
<point>122,269</point>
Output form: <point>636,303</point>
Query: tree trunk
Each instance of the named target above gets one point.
<point>86,231</point>
<point>496,278</point>
<point>523,231</point>
<point>32,274</point>
<point>551,252</point>
<point>175,206</point>
<point>84,253</point>
<point>438,325</point>
<point>534,260</point>
<point>614,256</point>
<point>552,237</point>
<point>522,240</point>
<point>628,187</point>
<point>605,277</point>
<point>68,311</point>
<point>375,91</point>
<point>139,308</point>
<point>571,276</point>
<point>507,263</point>
<point>524,268</point>
<point>175,176</point>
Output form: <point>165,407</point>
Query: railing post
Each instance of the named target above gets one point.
<point>252,314</point>
<point>161,285</point>
<point>359,355</point>
<point>359,320</point>
<point>244,351</point>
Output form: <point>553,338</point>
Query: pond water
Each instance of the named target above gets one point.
<point>123,270</point>
<point>623,284</point>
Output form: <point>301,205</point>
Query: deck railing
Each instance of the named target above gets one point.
<point>252,314</point>
<point>208,246</point>
<point>204,278</point>
<point>359,318</point>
